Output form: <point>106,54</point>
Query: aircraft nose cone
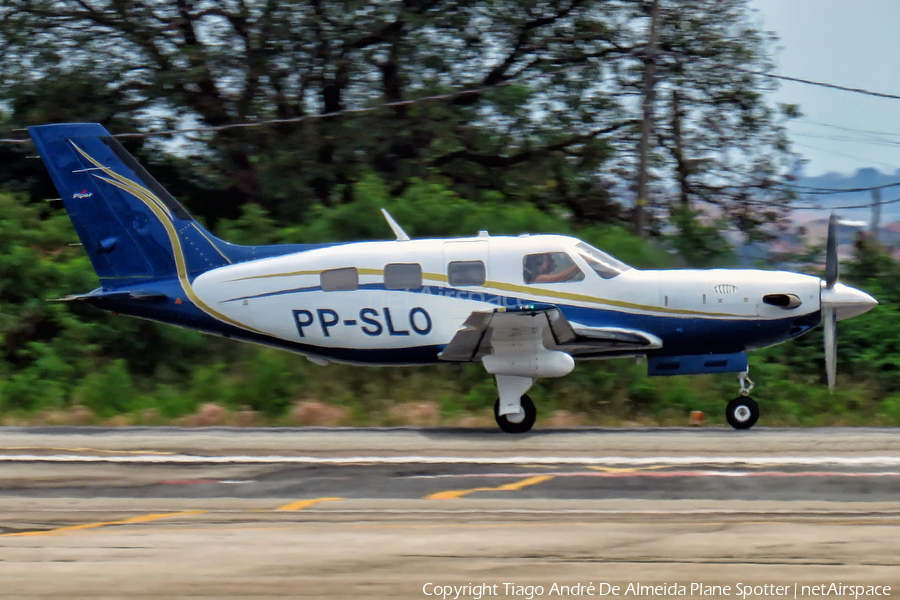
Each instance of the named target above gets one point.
<point>847,302</point>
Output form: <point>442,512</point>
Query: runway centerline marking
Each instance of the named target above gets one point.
<point>301,504</point>
<point>518,485</point>
<point>84,526</point>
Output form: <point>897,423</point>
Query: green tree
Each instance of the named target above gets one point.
<point>557,125</point>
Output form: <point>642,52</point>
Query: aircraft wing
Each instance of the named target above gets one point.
<point>473,340</point>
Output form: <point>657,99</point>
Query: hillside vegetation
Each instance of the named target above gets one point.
<point>69,363</point>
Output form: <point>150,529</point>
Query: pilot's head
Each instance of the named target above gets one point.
<point>538,264</point>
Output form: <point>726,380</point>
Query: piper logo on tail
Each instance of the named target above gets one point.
<point>82,194</point>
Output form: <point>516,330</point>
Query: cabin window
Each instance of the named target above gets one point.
<point>466,272</point>
<point>550,267</point>
<point>339,280</point>
<point>403,276</point>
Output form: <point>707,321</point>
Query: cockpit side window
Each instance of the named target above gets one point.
<point>550,267</point>
<point>602,263</point>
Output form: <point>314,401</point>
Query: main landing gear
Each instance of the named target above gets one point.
<point>743,411</point>
<point>514,411</point>
<point>519,422</point>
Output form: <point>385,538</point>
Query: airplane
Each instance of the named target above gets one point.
<point>525,307</point>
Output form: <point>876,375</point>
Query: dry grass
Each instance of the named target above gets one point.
<point>418,414</point>
<point>315,413</point>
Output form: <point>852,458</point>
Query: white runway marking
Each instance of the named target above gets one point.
<point>662,474</point>
<point>782,461</point>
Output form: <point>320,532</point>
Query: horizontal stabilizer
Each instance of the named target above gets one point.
<point>100,295</point>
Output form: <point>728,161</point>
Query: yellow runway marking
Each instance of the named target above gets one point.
<point>301,504</point>
<point>518,485</point>
<point>130,521</point>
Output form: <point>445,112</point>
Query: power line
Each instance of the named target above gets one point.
<point>291,120</point>
<point>827,191</point>
<point>460,93</point>
<point>866,205</point>
<point>824,84</point>
<point>350,111</point>
<point>845,138</point>
<point>851,129</point>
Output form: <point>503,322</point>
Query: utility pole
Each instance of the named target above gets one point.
<point>875,225</point>
<point>681,166</point>
<point>640,216</point>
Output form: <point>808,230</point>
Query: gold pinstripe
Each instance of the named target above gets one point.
<point>200,231</point>
<point>532,291</point>
<point>164,216</point>
<point>311,272</point>
<point>510,287</point>
<point>131,186</point>
<point>149,198</point>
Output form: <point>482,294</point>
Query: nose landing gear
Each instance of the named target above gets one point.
<point>743,411</point>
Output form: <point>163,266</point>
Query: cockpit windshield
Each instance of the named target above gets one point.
<point>605,265</point>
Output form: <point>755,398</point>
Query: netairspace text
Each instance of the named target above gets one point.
<point>477,591</point>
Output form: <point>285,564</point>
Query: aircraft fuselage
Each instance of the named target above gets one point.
<point>366,319</point>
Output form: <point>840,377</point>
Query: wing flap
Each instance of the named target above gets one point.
<point>465,344</point>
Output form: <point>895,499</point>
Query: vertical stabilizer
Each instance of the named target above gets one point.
<point>132,229</point>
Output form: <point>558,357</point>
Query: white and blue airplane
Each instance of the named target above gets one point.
<point>525,307</point>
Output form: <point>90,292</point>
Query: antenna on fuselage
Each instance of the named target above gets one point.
<point>398,231</point>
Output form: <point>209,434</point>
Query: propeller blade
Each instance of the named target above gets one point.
<point>831,257</point>
<point>829,320</point>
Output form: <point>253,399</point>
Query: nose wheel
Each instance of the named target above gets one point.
<point>519,422</point>
<point>743,411</point>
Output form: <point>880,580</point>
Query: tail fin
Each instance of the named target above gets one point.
<point>132,228</point>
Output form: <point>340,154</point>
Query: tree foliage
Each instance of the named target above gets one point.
<point>550,117</point>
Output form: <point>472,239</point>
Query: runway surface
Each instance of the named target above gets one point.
<point>346,513</point>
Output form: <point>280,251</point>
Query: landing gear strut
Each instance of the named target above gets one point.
<point>519,422</point>
<point>743,411</point>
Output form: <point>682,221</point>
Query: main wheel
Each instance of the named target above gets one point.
<point>520,422</point>
<point>742,412</point>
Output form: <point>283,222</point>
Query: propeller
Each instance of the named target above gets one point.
<point>831,257</point>
<point>829,316</point>
<point>838,302</point>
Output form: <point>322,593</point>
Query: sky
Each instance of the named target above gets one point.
<point>850,43</point>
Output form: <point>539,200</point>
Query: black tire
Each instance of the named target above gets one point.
<point>742,412</point>
<point>522,427</point>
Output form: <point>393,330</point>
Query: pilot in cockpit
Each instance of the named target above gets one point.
<point>546,268</point>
